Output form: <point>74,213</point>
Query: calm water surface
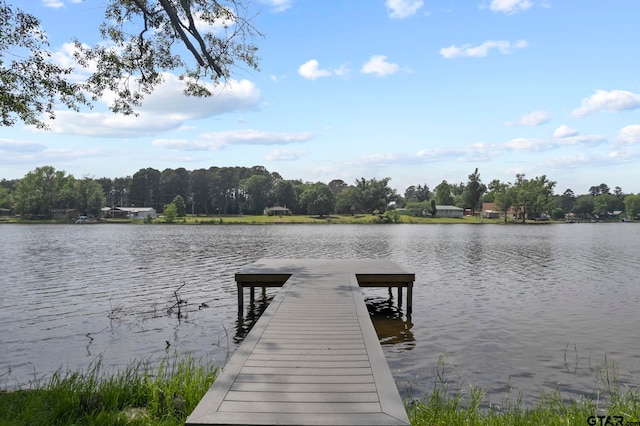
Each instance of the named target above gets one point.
<point>510,308</point>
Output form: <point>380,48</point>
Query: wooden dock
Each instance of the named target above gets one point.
<point>313,357</point>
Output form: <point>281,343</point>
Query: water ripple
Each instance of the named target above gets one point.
<point>507,306</point>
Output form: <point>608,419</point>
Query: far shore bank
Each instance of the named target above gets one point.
<point>296,219</point>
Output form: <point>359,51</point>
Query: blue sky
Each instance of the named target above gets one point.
<point>418,91</point>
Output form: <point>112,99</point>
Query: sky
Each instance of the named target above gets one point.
<point>419,91</point>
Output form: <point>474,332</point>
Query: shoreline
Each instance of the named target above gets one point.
<point>299,220</point>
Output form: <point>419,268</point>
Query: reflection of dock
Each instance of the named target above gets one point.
<point>313,357</point>
<point>392,328</point>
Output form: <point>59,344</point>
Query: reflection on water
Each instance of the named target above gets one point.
<point>391,325</point>
<point>250,315</point>
<point>508,308</point>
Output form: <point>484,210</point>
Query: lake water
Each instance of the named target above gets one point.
<point>513,309</point>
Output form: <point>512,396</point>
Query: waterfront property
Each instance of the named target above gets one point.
<point>313,357</point>
<point>277,211</point>
<point>449,211</point>
<point>141,213</point>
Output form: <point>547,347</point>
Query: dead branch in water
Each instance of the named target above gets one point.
<point>179,302</point>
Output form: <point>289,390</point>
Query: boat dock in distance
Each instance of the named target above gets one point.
<point>313,357</point>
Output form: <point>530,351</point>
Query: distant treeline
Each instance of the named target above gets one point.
<point>249,190</point>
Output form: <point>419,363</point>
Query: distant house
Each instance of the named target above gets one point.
<point>277,210</point>
<point>491,211</point>
<point>5,212</point>
<point>130,212</point>
<point>449,211</point>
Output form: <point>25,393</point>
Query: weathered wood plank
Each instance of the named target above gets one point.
<point>304,363</point>
<point>307,357</point>
<point>308,371</point>
<point>359,419</point>
<point>324,397</point>
<point>300,407</point>
<point>337,388</point>
<point>296,351</point>
<point>342,379</point>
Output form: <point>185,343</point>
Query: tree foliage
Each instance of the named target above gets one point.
<point>249,190</point>
<point>567,200</point>
<point>257,188</point>
<point>473,191</point>
<point>376,194</point>
<point>604,204</point>
<point>504,198</point>
<point>41,191</point>
<point>170,213</point>
<point>89,197</point>
<point>596,190</point>
<point>30,85</point>
<point>318,199</point>
<point>284,195</point>
<point>131,62</point>
<point>534,197</point>
<point>418,208</point>
<point>418,193</point>
<point>349,201</point>
<point>202,40</point>
<point>632,205</point>
<point>583,206</point>
<point>181,206</point>
<point>444,194</point>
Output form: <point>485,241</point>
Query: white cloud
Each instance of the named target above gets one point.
<point>311,70</point>
<point>400,9</point>
<point>467,50</point>
<point>56,4</point>
<point>218,140</point>
<point>587,140</point>
<point>166,101</point>
<point>164,109</point>
<point>564,131</point>
<point>509,7</point>
<point>278,5</point>
<point>378,65</point>
<point>280,154</point>
<point>379,159</point>
<point>110,125</point>
<point>479,151</point>
<point>530,144</point>
<point>534,118</point>
<point>545,144</point>
<point>8,145</point>
<point>603,101</point>
<point>629,135</point>
<point>231,96</point>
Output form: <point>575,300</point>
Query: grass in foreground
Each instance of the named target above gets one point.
<point>140,395</point>
<point>168,393</point>
<point>439,409</point>
<point>615,404</point>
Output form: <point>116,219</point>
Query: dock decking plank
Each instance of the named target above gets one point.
<point>313,357</point>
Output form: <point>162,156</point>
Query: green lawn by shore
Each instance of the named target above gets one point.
<point>292,219</point>
<point>332,219</point>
